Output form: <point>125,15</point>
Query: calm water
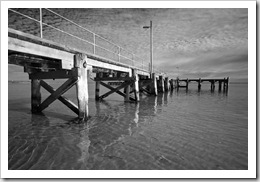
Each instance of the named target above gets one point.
<point>178,130</point>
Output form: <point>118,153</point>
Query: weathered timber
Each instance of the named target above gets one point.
<point>114,79</point>
<point>154,89</point>
<point>136,85</point>
<point>199,84</point>
<point>80,68</point>
<point>118,91</point>
<point>26,43</point>
<point>127,92</point>
<point>125,84</point>
<point>219,85</point>
<point>59,74</point>
<point>61,98</point>
<point>35,95</point>
<point>61,90</point>
<point>97,87</point>
<point>161,84</point>
<point>171,84</point>
<point>166,84</point>
<point>29,60</point>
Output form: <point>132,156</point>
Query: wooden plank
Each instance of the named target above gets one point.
<point>80,67</point>
<point>63,99</point>
<point>59,74</point>
<point>39,50</point>
<point>66,55</point>
<point>114,79</point>
<point>35,95</point>
<point>118,92</point>
<point>61,90</point>
<point>109,66</point>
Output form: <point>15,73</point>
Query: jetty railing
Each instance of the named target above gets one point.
<point>50,25</point>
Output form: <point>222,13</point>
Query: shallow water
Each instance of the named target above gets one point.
<point>175,130</point>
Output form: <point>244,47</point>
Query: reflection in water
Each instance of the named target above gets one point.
<point>176,130</point>
<point>136,119</point>
<point>84,144</point>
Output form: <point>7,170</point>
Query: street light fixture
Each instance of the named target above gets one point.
<point>151,45</point>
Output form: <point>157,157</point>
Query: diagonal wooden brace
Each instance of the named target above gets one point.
<point>125,84</point>
<point>63,99</point>
<point>55,95</point>
<point>118,92</point>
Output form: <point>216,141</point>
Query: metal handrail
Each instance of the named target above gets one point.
<point>117,53</point>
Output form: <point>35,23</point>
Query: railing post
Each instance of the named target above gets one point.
<point>119,53</point>
<point>94,43</point>
<point>41,22</point>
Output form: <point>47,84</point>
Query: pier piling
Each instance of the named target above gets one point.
<point>97,87</point>
<point>80,68</point>
<point>35,95</point>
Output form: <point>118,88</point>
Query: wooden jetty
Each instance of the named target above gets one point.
<point>212,81</point>
<point>46,59</point>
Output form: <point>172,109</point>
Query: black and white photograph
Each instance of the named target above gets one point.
<point>153,87</point>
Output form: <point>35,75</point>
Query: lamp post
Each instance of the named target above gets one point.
<point>151,45</point>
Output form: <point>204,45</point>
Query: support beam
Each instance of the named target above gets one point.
<point>63,99</point>
<point>127,93</point>
<point>161,84</point>
<point>80,68</point>
<point>55,95</point>
<point>227,83</point>
<point>166,84</point>
<point>97,87</point>
<point>219,85</point>
<point>35,95</point>
<point>118,92</point>
<point>126,85</point>
<point>199,84</point>
<point>154,89</point>
<point>136,85</point>
<point>171,85</point>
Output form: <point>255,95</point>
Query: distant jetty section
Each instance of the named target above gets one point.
<point>212,81</point>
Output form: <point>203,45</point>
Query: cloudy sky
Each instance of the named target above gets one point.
<point>210,43</point>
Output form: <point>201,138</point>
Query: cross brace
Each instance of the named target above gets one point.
<point>112,90</point>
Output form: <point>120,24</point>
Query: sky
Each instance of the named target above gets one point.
<point>189,43</point>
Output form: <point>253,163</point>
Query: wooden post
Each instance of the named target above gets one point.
<point>166,84</point>
<point>212,85</point>
<point>127,92</point>
<point>161,84</point>
<point>224,84</point>
<point>187,83</point>
<point>219,85</point>
<point>80,67</point>
<point>97,87</point>
<point>227,83</point>
<point>199,84</point>
<point>171,84</point>
<point>154,85</point>
<point>35,95</point>
<point>136,85</point>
